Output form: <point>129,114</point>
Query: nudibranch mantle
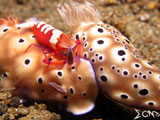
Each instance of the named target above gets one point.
<point>67,85</point>
<point>122,74</point>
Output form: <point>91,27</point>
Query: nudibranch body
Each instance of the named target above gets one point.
<point>25,75</point>
<point>122,74</point>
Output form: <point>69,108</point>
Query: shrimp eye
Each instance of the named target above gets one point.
<point>65,53</point>
<point>50,59</point>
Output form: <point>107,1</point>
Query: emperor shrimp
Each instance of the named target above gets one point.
<point>55,40</point>
<point>122,75</point>
<point>26,76</point>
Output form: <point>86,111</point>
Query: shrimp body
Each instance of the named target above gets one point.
<point>56,40</point>
<point>50,37</point>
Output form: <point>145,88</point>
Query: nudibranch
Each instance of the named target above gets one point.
<point>25,75</point>
<point>122,75</point>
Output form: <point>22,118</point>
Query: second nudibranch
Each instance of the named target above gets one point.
<point>122,74</point>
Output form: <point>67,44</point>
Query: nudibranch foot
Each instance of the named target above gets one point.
<point>122,75</point>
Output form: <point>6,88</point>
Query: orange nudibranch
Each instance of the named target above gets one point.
<point>68,85</point>
<point>122,74</point>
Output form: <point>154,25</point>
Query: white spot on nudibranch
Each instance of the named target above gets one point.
<point>137,65</point>
<point>143,92</point>
<point>91,49</point>
<point>27,62</point>
<point>84,93</point>
<point>103,78</point>
<point>73,68</point>
<point>101,68</point>
<point>5,74</point>
<point>150,103</point>
<point>43,90</point>
<point>135,76</point>
<point>85,44</point>
<point>79,77</point>
<point>118,70</point>
<point>149,72</point>
<point>101,43</point>
<point>32,37</point>
<point>77,36</point>
<point>40,79</point>
<point>140,72</point>
<point>84,36</point>
<point>101,58</point>
<point>21,41</point>
<point>5,29</point>
<point>113,67</point>
<point>135,86</point>
<point>125,73</point>
<point>93,60</point>
<point>96,54</point>
<point>72,91</point>
<point>98,30</point>
<point>85,54</point>
<point>116,39</point>
<point>122,96</point>
<point>120,55</point>
<point>144,76</point>
<point>59,73</point>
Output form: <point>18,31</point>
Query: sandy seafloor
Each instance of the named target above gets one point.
<point>139,20</point>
